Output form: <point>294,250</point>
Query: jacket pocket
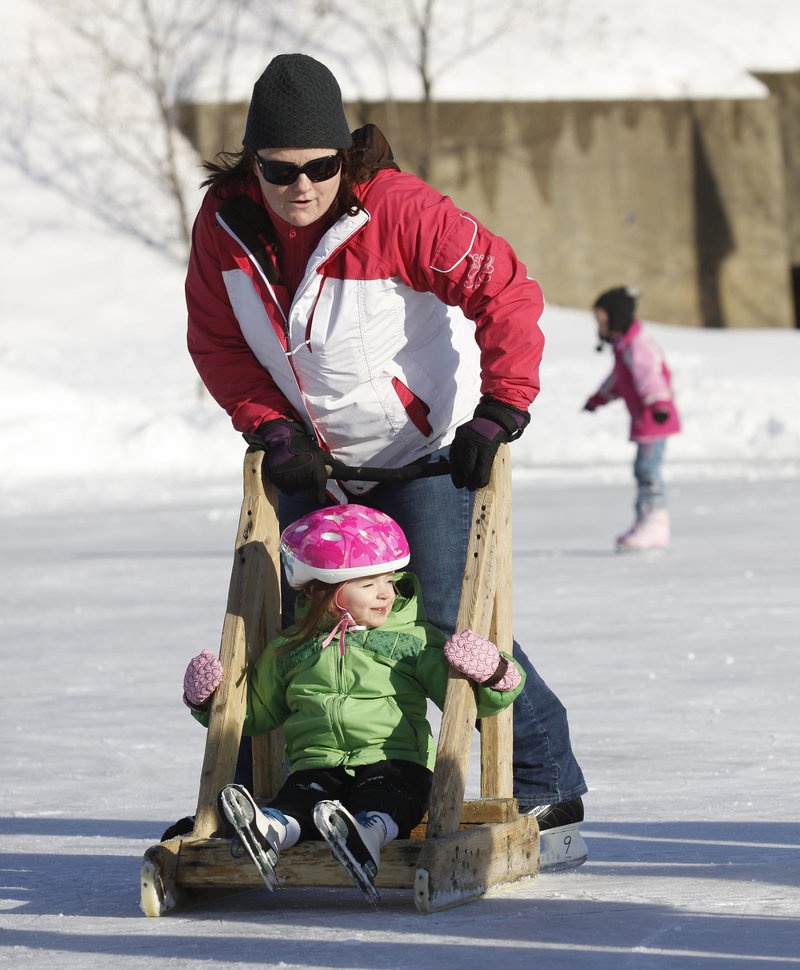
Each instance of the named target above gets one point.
<point>416,409</point>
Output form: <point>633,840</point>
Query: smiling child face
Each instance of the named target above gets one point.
<point>369,600</point>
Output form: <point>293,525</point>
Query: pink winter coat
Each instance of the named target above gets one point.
<point>642,379</point>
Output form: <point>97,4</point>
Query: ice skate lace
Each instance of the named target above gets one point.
<point>368,821</point>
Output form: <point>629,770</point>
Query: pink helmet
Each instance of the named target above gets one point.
<point>342,542</point>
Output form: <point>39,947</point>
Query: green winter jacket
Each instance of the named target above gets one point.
<point>366,705</point>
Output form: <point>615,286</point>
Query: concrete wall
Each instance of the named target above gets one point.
<point>688,200</point>
<point>785,88</point>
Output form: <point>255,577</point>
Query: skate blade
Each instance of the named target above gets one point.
<point>334,835</point>
<point>562,848</point>
<point>240,820</point>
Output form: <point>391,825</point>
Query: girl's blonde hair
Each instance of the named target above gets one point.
<point>320,598</point>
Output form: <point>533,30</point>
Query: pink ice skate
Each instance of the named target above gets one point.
<point>480,660</point>
<point>650,532</point>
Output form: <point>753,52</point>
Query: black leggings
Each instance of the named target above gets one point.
<point>399,788</point>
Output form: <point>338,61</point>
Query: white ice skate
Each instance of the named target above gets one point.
<point>650,532</point>
<point>261,831</point>
<point>354,842</point>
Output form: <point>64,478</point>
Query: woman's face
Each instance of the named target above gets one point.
<point>369,600</point>
<point>304,201</point>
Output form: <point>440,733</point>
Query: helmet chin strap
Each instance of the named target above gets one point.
<point>346,623</point>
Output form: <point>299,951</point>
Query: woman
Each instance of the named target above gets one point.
<point>340,307</point>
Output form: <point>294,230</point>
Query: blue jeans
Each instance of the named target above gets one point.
<point>650,492</point>
<point>436,518</point>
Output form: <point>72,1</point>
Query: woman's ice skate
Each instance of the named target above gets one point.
<point>561,844</point>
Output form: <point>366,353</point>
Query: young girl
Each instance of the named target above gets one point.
<point>349,681</point>
<point>641,378</point>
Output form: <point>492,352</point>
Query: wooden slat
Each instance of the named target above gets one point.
<point>268,749</point>
<point>208,862</point>
<point>475,612</point>
<point>458,868</point>
<point>497,733</point>
<point>478,811</point>
<point>252,575</point>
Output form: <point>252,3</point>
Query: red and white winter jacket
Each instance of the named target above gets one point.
<point>407,313</point>
<point>641,378</point>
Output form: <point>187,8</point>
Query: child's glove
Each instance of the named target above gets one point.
<point>594,402</point>
<point>660,412</point>
<point>202,678</point>
<point>480,660</point>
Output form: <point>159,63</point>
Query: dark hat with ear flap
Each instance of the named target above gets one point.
<point>296,103</point>
<point>620,305</point>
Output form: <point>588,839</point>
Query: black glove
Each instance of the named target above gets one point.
<point>476,442</point>
<point>293,460</point>
<point>660,412</point>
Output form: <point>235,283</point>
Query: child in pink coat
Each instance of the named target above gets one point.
<point>641,378</point>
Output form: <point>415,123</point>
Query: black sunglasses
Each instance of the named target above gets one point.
<point>287,173</point>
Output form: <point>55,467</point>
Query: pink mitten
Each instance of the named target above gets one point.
<point>202,677</point>
<point>480,660</point>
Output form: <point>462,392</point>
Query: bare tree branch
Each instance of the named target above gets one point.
<point>111,102</point>
<point>421,35</point>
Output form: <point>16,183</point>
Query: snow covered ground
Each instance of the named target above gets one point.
<point>119,498</point>
<point>679,672</point>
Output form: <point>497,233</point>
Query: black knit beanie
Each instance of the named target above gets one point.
<point>620,305</point>
<point>296,103</point>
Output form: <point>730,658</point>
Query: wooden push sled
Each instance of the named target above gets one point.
<point>468,848</point>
